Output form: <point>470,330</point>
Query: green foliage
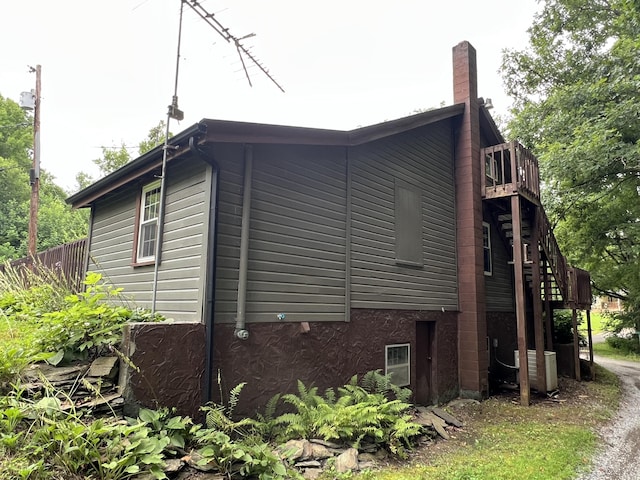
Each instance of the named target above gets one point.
<point>577,107</point>
<point>625,345</point>
<point>249,459</point>
<point>177,429</point>
<point>57,222</point>
<point>43,432</point>
<point>563,326</point>
<point>353,415</point>
<point>88,325</point>
<point>114,158</point>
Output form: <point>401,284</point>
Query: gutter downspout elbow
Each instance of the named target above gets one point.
<point>240,331</point>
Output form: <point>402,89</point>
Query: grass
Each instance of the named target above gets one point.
<point>503,440</point>
<point>606,350</point>
<point>598,322</point>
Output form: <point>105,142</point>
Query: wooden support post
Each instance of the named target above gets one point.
<point>576,342</point>
<point>541,370</point>
<point>548,313</point>
<point>521,314</point>
<point>593,372</point>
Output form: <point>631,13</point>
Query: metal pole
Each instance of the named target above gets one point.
<point>35,173</point>
<point>173,112</point>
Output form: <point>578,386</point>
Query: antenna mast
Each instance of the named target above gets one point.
<point>210,19</point>
<point>177,114</point>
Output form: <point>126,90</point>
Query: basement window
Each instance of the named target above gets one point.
<point>486,247</point>
<point>148,223</point>
<point>398,363</point>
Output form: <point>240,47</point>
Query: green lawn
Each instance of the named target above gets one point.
<point>502,440</point>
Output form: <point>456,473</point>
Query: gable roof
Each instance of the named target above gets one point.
<point>209,131</point>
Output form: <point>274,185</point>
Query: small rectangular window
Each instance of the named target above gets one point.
<point>408,224</point>
<point>486,244</point>
<point>398,363</point>
<point>148,222</point>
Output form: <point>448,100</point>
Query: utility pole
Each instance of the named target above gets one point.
<point>34,175</point>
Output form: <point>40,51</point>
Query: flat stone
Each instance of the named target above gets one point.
<point>192,460</point>
<point>319,441</point>
<point>294,449</point>
<point>308,464</point>
<point>381,454</point>
<point>173,465</point>
<point>347,461</point>
<point>312,473</point>
<point>367,457</point>
<point>103,367</point>
<point>450,419</point>
<point>55,374</point>
<point>319,451</point>
<point>366,465</point>
<point>191,475</point>
<point>461,402</point>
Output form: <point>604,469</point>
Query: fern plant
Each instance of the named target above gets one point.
<point>374,412</point>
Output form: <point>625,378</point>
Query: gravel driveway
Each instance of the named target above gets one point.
<point>619,457</point>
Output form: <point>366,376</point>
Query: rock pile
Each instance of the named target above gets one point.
<point>86,386</point>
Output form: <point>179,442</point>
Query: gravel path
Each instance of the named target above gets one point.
<point>619,457</point>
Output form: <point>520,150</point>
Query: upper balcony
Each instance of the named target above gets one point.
<point>510,169</point>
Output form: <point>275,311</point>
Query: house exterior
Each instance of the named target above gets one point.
<point>290,253</point>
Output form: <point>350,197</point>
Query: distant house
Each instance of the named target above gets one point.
<point>416,246</point>
<point>607,303</point>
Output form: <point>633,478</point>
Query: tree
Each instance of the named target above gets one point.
<point>577,107</point>
<point>114,158</point>
<point>57,222</point>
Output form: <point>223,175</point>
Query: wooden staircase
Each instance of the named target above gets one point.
<point>509,169</point>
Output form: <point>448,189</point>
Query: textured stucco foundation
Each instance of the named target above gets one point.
<point>170,357</point>
<point>277,355</point>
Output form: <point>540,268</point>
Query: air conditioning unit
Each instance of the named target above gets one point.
<point>551,368</point>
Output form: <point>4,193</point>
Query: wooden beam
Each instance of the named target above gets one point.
<point>521,313</point>
<point>548,313</point>
<point>576,342</point>
<point>593,372</point>
<point>541,370</point>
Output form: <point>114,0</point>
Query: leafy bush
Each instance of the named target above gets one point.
<point>353,415</point>
<point>63,442</point>
<point>563,326</point>
<point>625,345</point>
<point>88,324</point>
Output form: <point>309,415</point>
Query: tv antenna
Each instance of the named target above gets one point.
<point>211,20</point>
<point>177,114</point>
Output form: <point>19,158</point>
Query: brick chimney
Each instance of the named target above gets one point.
<point>472,324</point>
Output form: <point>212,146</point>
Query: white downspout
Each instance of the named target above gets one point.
<point>240,330</point>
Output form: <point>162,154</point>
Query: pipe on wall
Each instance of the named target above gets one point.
<point>240,331</point>
<point>212,244</point>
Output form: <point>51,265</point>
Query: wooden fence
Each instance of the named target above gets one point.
<point>67,260</point>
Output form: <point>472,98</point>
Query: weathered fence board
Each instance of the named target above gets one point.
<point>67,260</point>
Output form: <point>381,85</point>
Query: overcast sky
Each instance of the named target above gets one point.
<point>108,66</point>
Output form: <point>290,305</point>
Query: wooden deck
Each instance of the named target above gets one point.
<point>509,169</point>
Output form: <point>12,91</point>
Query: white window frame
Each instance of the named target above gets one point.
<point>142,223</point>
<point>389,369</point>
<point>487,248</point>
